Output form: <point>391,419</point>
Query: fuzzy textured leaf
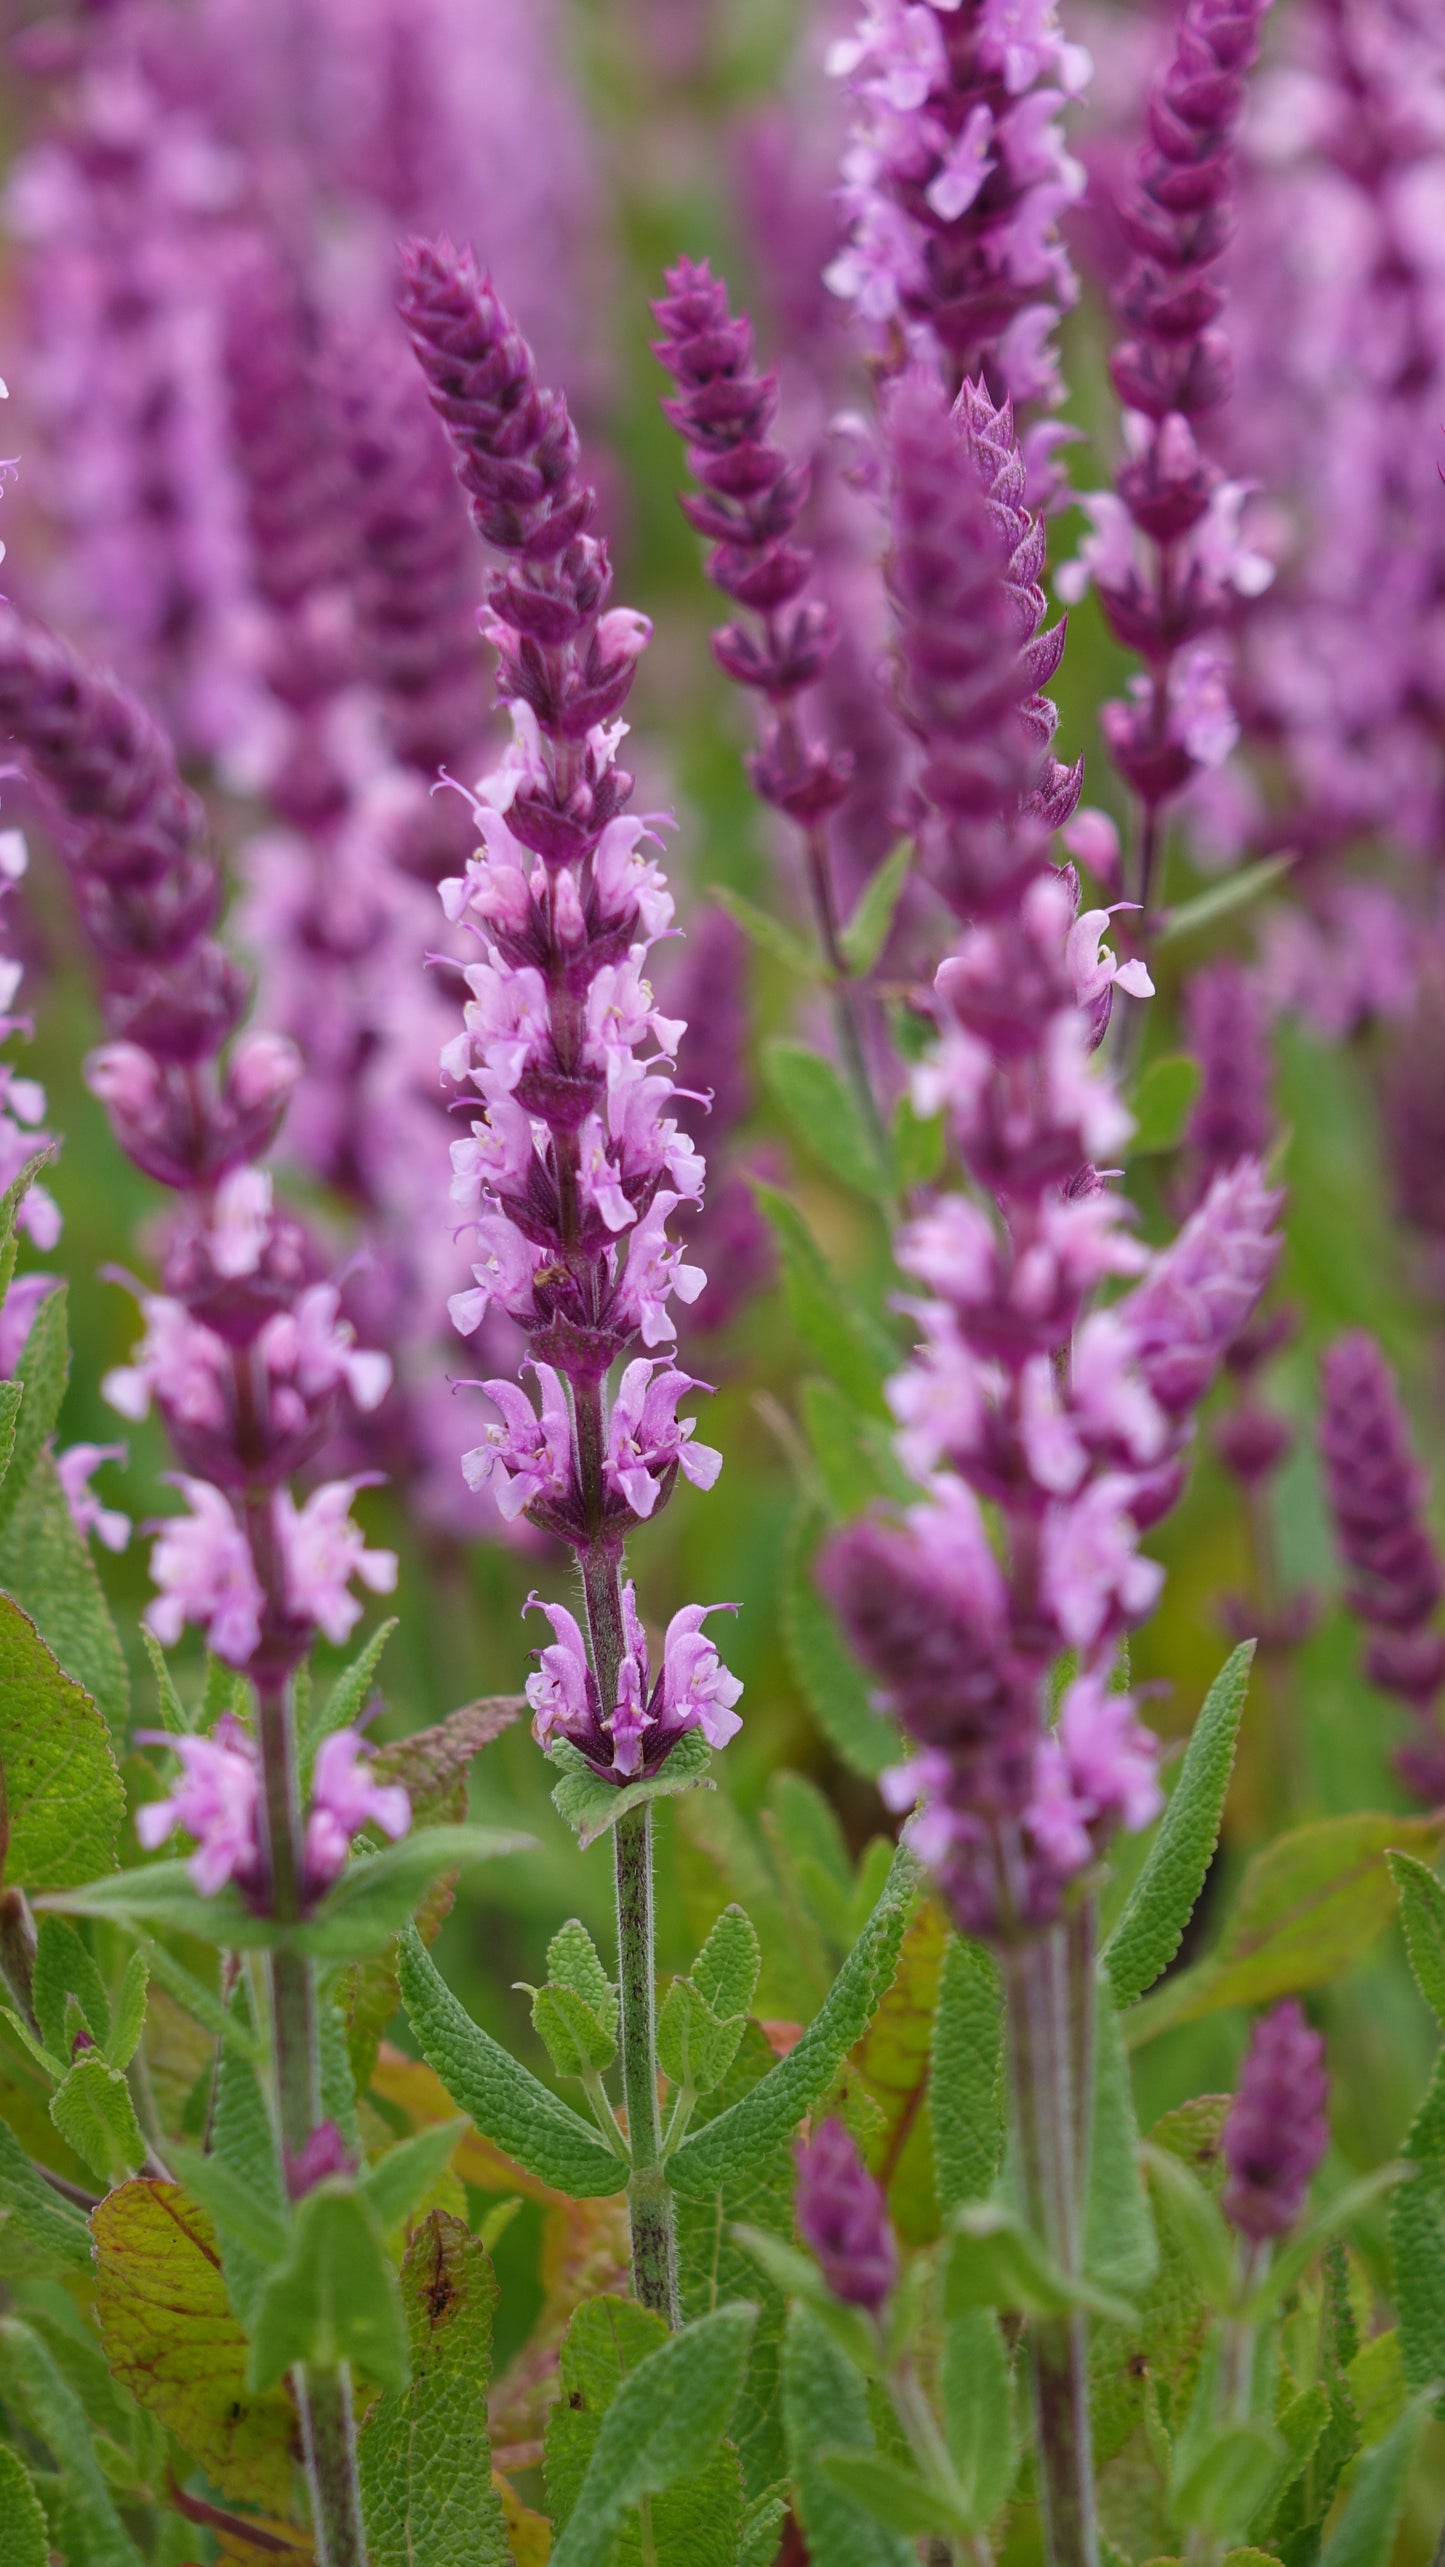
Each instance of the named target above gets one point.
<point>30,2209</point>
<point>46,1565</point>
<point>37,2392</point>
<point>1364,2535</point>
<point>853,1346</point>
<point>1120,2247</point>
<point>171,2338</point>
<point>893,2059</point>
<point>426,2470</point>
<point>714,2267</point>
<point>660,2427</point>
<point>590,1806</point>
<point>966,2081</point>
<point>334,2300</point>
<point>24,2538</point>
<point>92,2110</point>
<point>63,1796</point>
<point>42,1371</point>
<point>832,1683</point>
<point>502,2097</point>
<point>1422,1919</point>
<point>1151,1927</point>
<point>825,2404</point>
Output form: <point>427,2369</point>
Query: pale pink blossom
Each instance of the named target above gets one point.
<point>88,1513</point>
<point>646,1438</point>
<point>202,1565</point>
<point>345,1797</point>
<point>322,1551</point>
<point>527,1458</point>
<point>217,1800</point>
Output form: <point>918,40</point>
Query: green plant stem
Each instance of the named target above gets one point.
<point>930,2451</point>
<point>1041,2039</point>
<point>328,2432</point>
<point>649,2202</point>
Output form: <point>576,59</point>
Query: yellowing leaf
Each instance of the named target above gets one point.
<point>169,2335</point>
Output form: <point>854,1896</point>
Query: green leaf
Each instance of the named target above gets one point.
<point>695,2523</point>
<point>46,1565</point>
<point>63,1968</point>
<point>42,1371</point>
<point>130,2012</point>
<point>62,1798</point>
<point>394,2185</point>
<point>1364,2534</point>
<point>966,2083</point>
<point>978,2418</point>
<point>1196,2223</point>
<point>662,2425</point>
<point>1161,1104</point>
<point>1422,1918</point>
<point>769,934</point>
<point>775,2106</point>
<point>92,2109</point>
<point>334,2300</point>
<point>351,1692</point>
<point>824,1116</point>
<point>577,2040</point>
<point>507,2103</point>
<point>825,2403</point>
<point>995,2263</point>
<point>244,2144</point>
<point>822,1666</point>
<point>868,930</point>
<point>573,1961</point>
<point>172,1711</point>
<point>426,2467</point>
<point>590,1806</point>
<point>1228,2481</point>
<point>171,2339</point>
<point>1289,2267</point>
<point>10,1203</point>
<point>726,1969</point>
<point>852,1471</point>
<point>32,2210</point>
<point>11,1395</point>
<point>762,2530</point>
<point>919,1144</point>
<point>1310,1905</point>
<point>1151,1927</point>
<point>1236,891</point>
<point>895,2496</point>
<point>220,2021</point>
<point>714,2266</point>
<point>87,2526</point>
<point>1120,2247</point>
<point>854,1347</point>
<point>797,2277</point>
<point>694,2048</point>
<point>24,2537</point>
<point>241,2216</point>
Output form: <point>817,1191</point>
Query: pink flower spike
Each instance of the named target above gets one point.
<point>526,1459</point>
<point>203,1567</point>
<point>563,1691</point>
<point>216,1801</point>
<point>1112,1759</point>
<point>323,1550</point>
<point>87,1513</point>
<point>698,1692</point>
<point>345,1797</point>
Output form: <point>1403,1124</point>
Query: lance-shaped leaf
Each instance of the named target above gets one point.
<point>852,1345</point>
<point>823,1667</point>
<point>1364,2535</point>
<point>966,2080</point>
<point>663,2425</point>
<point>825,2406</point>
<point>24,2537</point>
<point>863,938</point>
<point>800,960</point>
<point>1310,1905</point>
<point>334,2300</point>
<point>1151,1927</point>
<point>996,2263</point>
<point>1422,1916</point>
<point>774,2107</point>
<point>63,1800</point>
<point>502,2097</point>
<point>824,1117</point>
<point>42,1371</point>
<point>349,1695</point>
<point>170,2337</point>
<point>45,1563</point>
<point>426,2468</point>
<point>978,2417</point>
<point>35,2390</point>
<point>53,2230</point>
<point>714,2265</point>
<point>64,1968</point>
<point>1120,2247</point>
<point>92,2110</point>
<point>1160,1104</point>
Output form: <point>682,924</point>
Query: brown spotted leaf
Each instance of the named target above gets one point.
<point>170,2337</point>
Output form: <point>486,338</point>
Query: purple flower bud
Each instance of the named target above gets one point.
<point>1277,2131</point>
<point>1377,1492</point>
<point>842,2215</point>
<point>324,2154</point>
<point>1202,1288</point>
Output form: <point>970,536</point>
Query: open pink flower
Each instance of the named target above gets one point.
<point>217,1800</point>
<point>345,1797</point>
<point>323,1551</point>
<point>202,1565</point>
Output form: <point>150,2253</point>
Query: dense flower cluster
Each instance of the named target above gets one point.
<point>954,182</point>
<point>1377,1492</point>
<point>1276,2132</point>
<point>576,1163</point>
<point>217,1800</point>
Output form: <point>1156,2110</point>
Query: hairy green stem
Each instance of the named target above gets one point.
<point>1046,2071</point>
<point>649,2202</point>
<point>328,2433</point>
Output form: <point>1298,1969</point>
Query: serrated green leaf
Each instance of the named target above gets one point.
<point>171,2339</point>
<point>425,2460</point>
<point>1196,2223</point>
<point>42,1372</point>
<point>1364,2535</point>
<point>1120,2247</point>
<point>577,2040</point>
<point>769,934</point>
<point>853,1346</point>
<point>828,1676</point>
<point>33,2387</point>
<point>695,2523</point>
<point>1422,1920</point>
<point>32,2209</point>
<point>693,2048</point>
<point>894,2495</point>
<point>1161,1104</point>
<point>92,2110</point>
<point>824,1117</point>
<point>661,2426</point>
<point>996,2263</point>
<point>892,2061</point>
<point>172,1711</point>
<point>349,1695</point>
<point>11,1395</point>
<point>847,1465</point>
<point>395,2183</point>
<point>63,1968</point>
<point>243,2140</point>
<point>726,1969</point>
<point>24,2536</point>
<point>46,1565</point>
<point>714,2267</point>
<point>762,2530</point>
<point>1228,2481</point>
<point>507,2103</point>
<point>966,2079</point>
<point>573,1961</point>
<point>1151,1927</point>
<point>334,2300</point>
<point>1235,891</point>
<point>1310,1905</point>
<point>777,2104</point>
<point>862,940</point>
<point>130,2012</point>
<point>591,1806</point>
<point>825,2404</point>
<point>63,1799</point>
<point>978,2419</point>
